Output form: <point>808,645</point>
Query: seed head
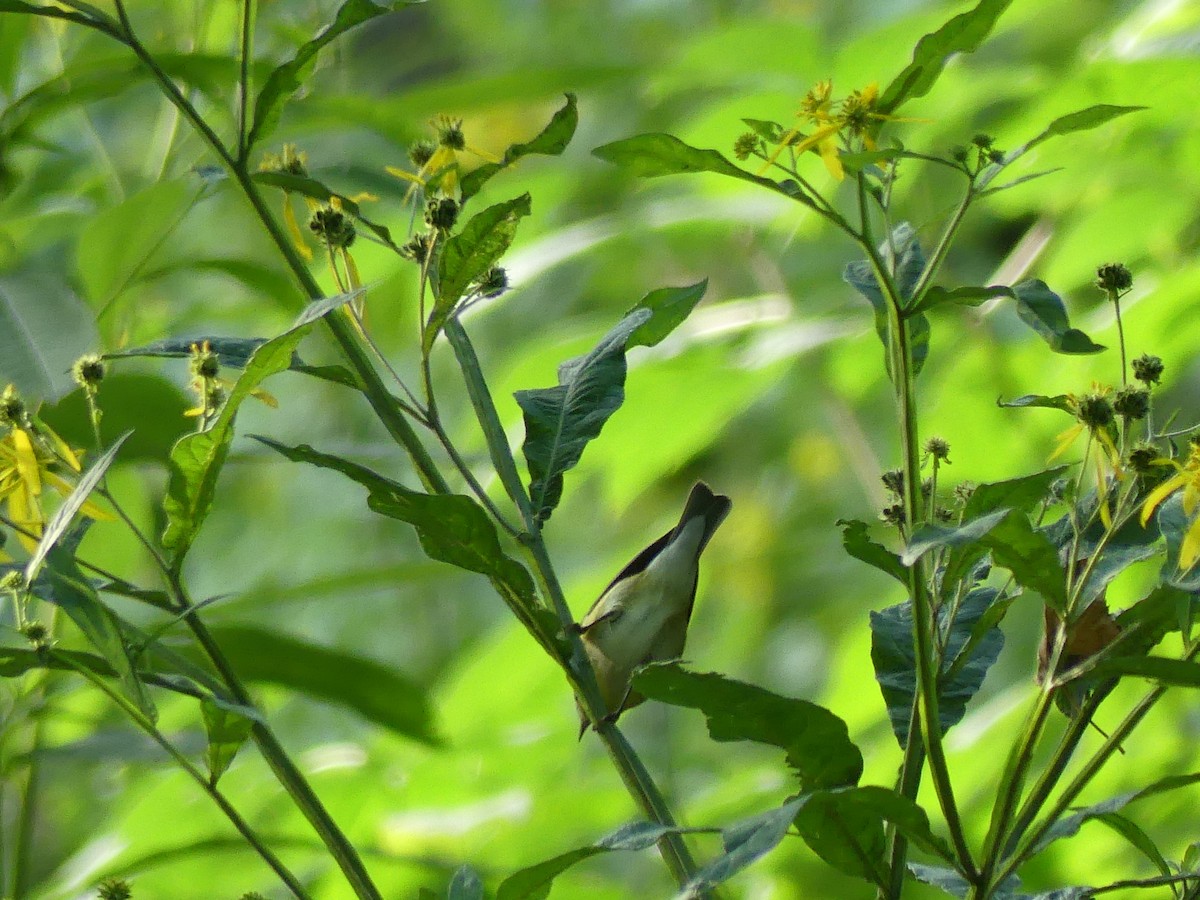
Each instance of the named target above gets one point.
<point>938,448</point>
<point>492,283</point>
<point>89,370</point>
<point>746,145</point>
<point>1132,402</point>
<point>441,213</point>
<point>420,152</point>
<point>1095,411</point>
<point>333,227</point>
<point>1148,369</point>
<point>114,889</point>
<point>1114,278</point>
<point>449,132</point>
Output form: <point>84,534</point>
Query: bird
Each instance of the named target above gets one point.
<point>643,614</point>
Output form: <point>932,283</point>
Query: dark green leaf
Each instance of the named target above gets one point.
<point>905,259</point>
<point>962,34</point>
<point>226,731</point>
<point>61,520</point>
<point>1043,311</point>
<point>954,884</point>
<point>816,742</point>
<point>452,528</point>
<point>932,537</point>
<point>668,308</point>
<point>533,883</point>
<point>286,79</point>
<point>379,693</point>
<point>771,132</point>
<point>895,664</point>
<point>961,296</point>
<point>552,141</point>
<point>652,155</point>
<point>196,459</point>
<point>39,9</point>
<point>1115,559</point>
<point>310,187</point>
<point>858,545</point>
<point>231,352</point>
<point>62,584</point>
<point>1175,672</point>
<point>745,843</point>
<point>844,826</point>
<point>1165,609</point>
<point>1030,557</point>
<point>1069,826</point>
<point>1058,401</point>
<point>561,420</point>
<point>1022,493</point>
<point>465,885</point>
<point>469,254</point>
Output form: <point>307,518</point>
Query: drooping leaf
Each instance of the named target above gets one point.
<point>668,309</point>
<point>858,545</point>
<point>226,731</point>
<point>962,34</point>
<point>534,882</point>
<point>816,742</point>
<point>745,843</point>
<point>44,327</point>
<point>1043,311</point>
<point>287,78</point>
<point>381,694</point>
<point>469,254</point>
<point>905,260</point>
<point>960,680</point>
<point>451,527</point>
<point>1137,838</point>
<point>54,12</point>
<point>561,420</point>
<point>652,155</point>
<point>551,141</point>
<point>65,514</point>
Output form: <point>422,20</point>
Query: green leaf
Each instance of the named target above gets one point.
<point>903,256</point>
<point>469,254</point>
<point>311,187</point>
<point>286,79</point>
<point>1043,401</point>
<point>534,882</point>
<point>961,296</point>
<point>196,459</point>
<point>858,545</point>
<point>561,420</point>
<point>1022,493</point>
<point>451,528</point>
<point>63,516</point>
<point>38,9</point>
<point>954,884</point>
<point>962,675</point>
<point>652,155</point>
<point>933,537</point>
<point>1174,672</point>
<point>1138,839</point>
<point>44,328</point>
<point>1173,523</point>
<point>817,742</point>
<point>1069,826</point>
<point>1031,558</point>
<point>381,694</point>
<point>226,731</point>
<point>465,884</point>
<point>668,309</point>
<point>232,352</point>
<point>771,132</point>
<point>745,843</point>
<point>62,584</point>
<point>1165,609</point>
<point>552,141</point>
<point>962,34</point>
<point>1043,311</point>
<point>844,827</point>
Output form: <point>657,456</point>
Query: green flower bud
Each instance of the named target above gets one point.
<point>333,227</point>
<point>114,889</point>
<point>89,370</point>
<point>1148,369</point>
<point>746,145</point>
<point>420,152</point>
<point>1095,411</point>
<point>1132,402</point>
<point>1114,278</point>
<point>492,283</point>
<point>938,448</point>
<point>449,132</point>
<point>441,213</point>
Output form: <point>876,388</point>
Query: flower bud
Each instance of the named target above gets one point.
<point>1114,278</point>
<point>1148,369</point>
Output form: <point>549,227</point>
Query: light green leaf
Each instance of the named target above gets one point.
<point>469,254</point>
<point>44,328</point>
<point>858,545</point>
<point>552,141</point>
<point>745,843</point>
<point>465,884</point>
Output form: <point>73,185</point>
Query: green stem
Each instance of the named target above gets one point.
<point>1116,302</point>
<point>288,775</point>
<point>143,722</point>
<point>943,247</point>
<point>907,785</point>
<point>245,62</point>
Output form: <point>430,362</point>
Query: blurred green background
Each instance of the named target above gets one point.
<point>772,392</point>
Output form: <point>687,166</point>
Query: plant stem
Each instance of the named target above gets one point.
<point>195,774</point>
<point>245,62</point>
<point>1116,301</point>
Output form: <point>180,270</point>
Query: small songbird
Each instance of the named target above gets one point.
<point>643,614</point>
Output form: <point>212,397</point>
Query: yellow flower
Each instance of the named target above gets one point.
<point>437,162</point>
<point>1187,479</point>
<point>28,464</point>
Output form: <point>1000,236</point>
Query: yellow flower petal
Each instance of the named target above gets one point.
<point>1189,550</point>
<point>352,270</point>
<point>88,508</point>
<point>293,228</point>
<point>1161,493</point>
<point>265,397</point>
<point>400,173</point>
<point>1065,440</point>
<point>829,155</point>
<point>27,464</point>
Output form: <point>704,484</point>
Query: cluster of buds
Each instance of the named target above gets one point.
<point>205,368</point>
<point>977,155</point>
<point>332,226</point>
